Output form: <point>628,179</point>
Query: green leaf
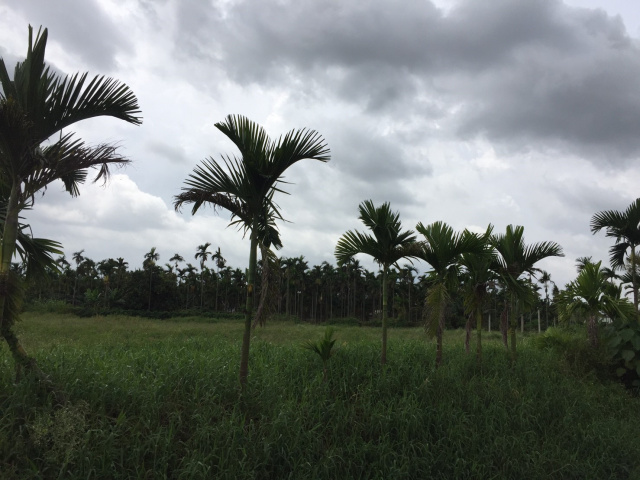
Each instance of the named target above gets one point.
<point>627,355</point>
<point>620,371</point>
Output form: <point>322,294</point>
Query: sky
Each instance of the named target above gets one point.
<point>473,113</point>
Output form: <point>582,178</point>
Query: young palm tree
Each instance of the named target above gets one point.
<point>442,248</point>
<point>245,186</point>
<point>625,228</point>
<point>387,246</point>
<point>514,259</point>
<point>35,106</point>
<point>594,296</point>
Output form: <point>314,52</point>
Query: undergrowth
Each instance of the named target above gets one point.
<point>171,409</point>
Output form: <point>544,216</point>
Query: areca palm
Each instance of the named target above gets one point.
<point>594,296</point>
<point>34,106</point>
<point>387,246</point>
<point>478,278</point>
<point>514,259</point>
<point>625,228</point>
<point>150,259</point>
<point>202,253</point>
<point>245,186</point>
<point>442,249</point>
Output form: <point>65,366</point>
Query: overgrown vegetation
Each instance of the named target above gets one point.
<point>152,399</point>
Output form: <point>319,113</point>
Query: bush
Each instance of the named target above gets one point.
<point>623,342</point>
<point>573,347</point>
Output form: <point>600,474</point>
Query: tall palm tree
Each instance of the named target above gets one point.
<point>202,253</point>
<point>593,295</point>
<point>246,185</point>
<point>387,246</point>
<point>545,279</point>
<point>442,249</point>
<point>35,106</point>
<point>514,259</point>
<point>150,259</point>
<point>625,228</point>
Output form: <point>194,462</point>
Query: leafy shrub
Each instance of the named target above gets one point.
<point>623,341</point>
<point>573,347</point>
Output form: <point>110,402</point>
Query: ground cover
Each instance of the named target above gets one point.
<point>159,399</point>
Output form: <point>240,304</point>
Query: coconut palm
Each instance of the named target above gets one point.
<point>514,259</point>
<point>387,246</point>
<point>593,296</point>
<point>35,106</point>
<point>625,228</point>
<point>442,249</point>
<point>246,185</point>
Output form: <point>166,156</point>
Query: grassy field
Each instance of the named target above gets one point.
<point>160,399</point>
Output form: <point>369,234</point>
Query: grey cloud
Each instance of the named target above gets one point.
<point>81,26</point>
<point>170,152</point>
<point>521,74</point>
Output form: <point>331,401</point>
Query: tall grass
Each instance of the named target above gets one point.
<point>161,400</point>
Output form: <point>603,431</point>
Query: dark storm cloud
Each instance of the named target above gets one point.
<point>80,26</point>
<point>526,75</point>
<point>372,158</point>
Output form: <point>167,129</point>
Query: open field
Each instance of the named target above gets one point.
<point>159,399</point>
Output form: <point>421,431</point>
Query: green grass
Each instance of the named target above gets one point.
<point>159,399</point>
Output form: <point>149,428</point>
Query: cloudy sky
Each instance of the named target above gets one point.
<point>509,111</point>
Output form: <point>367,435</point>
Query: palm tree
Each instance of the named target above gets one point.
<point>35,106</point>
<point>478,280</point>
<point>514,259</point>
<point>545,279</point>
<point>442,249</point>
<point>387,246</point>
<point>78,258</point>
<point>150,259</point>
<point>246,185</point>
<point>625,228</point>
<point>594,296</point>
<point>220,263</point>
<point>203,254</point>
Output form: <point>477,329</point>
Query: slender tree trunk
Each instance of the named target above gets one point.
<point>467,334</point>
<point>479,334</point>
<point>633,278</point>
<point>592,331</point>
<point>539,327</point>
<point>383,359</point>
<point>504,324</point>
<point>440,333</point>
<point>10,289</point>
<point>489,325</point>
<point>246,339</point>
<point>513,325</point>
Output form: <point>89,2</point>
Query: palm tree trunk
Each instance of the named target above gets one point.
<point>439,334</point>
<point>467,334</point>
<point>383,359</point>
<point>634,281</point>
<point>513,325</point>
<point>479,335</point>
<point>592,330</point>
<point>246,338</point>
